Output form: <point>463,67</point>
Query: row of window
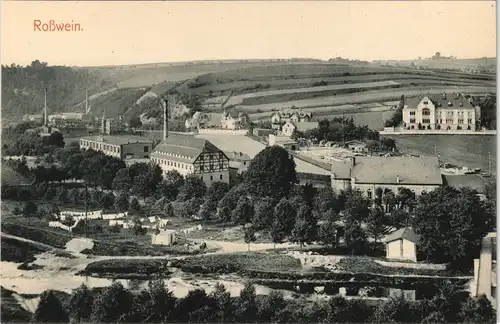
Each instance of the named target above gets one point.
<point>440,121</point>
<point>173,164</point>
<point>101,147</point>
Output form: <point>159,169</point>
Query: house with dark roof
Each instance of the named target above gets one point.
<point>293,115</point>
<point>401,244</point>
<point>446,112</point>
<point>234,120</point>
<point>120,146</point>
<point>367,173</point>
<point>190,155</point>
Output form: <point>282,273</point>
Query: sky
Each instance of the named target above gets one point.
<point>114,33</point>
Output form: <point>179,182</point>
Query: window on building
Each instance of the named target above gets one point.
<point>426,121</point>
<point>146,149</point>
<point>412,121</point>
<point>201,168</point>
<point>369,194</point>
<point>449,114</point>
<point>469,121</point>
<point>426,102</point>
<point>460,121</point>
<point>426,112</point>
<point>211,178</point>
<point>449,121</point>
<point>412,113</point>
<point>221,176</point>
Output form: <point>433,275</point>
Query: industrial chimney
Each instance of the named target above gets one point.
<point>165,119</point>
<point>45,109</point>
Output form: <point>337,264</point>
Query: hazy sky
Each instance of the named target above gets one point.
<point>146,32</point>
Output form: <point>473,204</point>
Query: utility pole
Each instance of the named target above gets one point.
<point>489,163</point>
<point>86,209</point>
<point>343,134</point>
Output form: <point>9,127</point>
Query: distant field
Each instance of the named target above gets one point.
<point>362,97</point>
<point>236,100</point>
<point>149,74</point>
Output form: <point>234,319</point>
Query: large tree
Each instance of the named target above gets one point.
<point>169,187</point>
<point>49,309</point>
<point>271,173</point>
<point>451,223</point>
<point>377,224</point>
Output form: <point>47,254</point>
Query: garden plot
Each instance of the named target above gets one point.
<point>327,155</point>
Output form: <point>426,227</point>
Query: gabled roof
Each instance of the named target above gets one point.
<point>237,156</point>
<point>341,169</point>
<point>405,233</point>
<point>440,101</point>
<point>185,148</point>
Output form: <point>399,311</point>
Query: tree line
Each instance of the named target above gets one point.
<point>450,222</point>
<point>157,304</point>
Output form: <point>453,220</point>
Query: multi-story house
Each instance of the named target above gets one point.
<point>234,120</point>
<point>367,173</point>
<point>122,147</point>
<point>290,127</point>
<point>199,119</point>
<point>280,117</point>
<point>190,155</point>
<point>113,126</point>
<point>445,112</point>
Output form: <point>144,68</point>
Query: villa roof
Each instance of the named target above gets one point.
<point>422,170</point>
<point>405,233</point>
<point>184,147</point>
<point>440,101</point>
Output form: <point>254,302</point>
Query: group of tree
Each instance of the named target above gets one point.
<point>23,86</point>
<point>338,129</point>
<point>397,117</point>
<point>156,304</point>
<point>16,142</point>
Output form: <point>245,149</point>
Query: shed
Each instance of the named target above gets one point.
<point>401,245</point>
<point>166,237</point>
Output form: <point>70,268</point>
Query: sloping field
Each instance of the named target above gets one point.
<point>236,100</point>
<point>362,97</point>
<point>237,143</point>
<point>278,84</point>
<point>149,74</point>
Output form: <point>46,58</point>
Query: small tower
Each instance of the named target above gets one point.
<point>165,119</point>
<point>103,122</point>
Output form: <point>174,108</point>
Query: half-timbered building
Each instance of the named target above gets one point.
<point>190,155</point>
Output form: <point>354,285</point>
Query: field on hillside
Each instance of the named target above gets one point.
<point>361,97</point>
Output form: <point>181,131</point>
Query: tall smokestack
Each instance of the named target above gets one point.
<point>103,122</point>
<point>86,101</point>
<point>45,109</point>
<point>165,119</point>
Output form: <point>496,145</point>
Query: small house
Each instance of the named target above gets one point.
<point>356,146</point>
<point>401,245</point>
<point>166,237</point>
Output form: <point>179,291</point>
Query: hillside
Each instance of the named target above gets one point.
<point>257,87</point>
<point>23,88</point>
